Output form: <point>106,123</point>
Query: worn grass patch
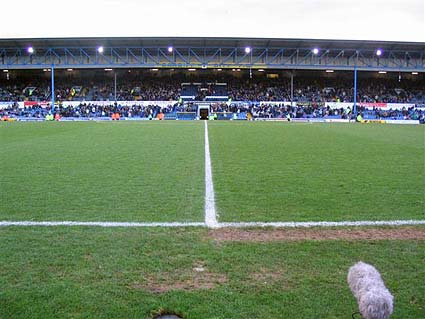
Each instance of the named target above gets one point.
<point>131,273</point>
<point>318,233</point>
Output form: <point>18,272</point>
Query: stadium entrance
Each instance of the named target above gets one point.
<point>203,112</point>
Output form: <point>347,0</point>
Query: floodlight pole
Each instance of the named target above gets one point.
<point>355,92</point>
<point>115,86</point>
<point>292,87</point>
<point>52,69</point>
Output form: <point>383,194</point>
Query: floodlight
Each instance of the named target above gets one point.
<point>379,52</point>
<point>100,49</point>
<point>170,49</point>
<point>248,50</point>
<point>315,50</point>
<point>30,50</point>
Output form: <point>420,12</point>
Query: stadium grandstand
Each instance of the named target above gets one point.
<point>238,78</point>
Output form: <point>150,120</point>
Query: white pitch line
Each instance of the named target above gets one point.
<point>210,213</point>
<point>323,224</point>
<point>219,225</point>
<point>99,224</point>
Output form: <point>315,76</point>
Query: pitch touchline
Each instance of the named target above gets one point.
<point>219,225</point>
<point>323,224</point>
<point>99,224</point>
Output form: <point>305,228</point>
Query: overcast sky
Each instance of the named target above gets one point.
<point>392,20</point>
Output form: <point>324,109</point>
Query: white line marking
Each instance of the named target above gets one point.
<point>323,224</point>
<point>219,225</point>
<point>99,224</point>
<point>210,213</point>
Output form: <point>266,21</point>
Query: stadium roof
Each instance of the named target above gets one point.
<point>183,52</point>
<point>215,42</point>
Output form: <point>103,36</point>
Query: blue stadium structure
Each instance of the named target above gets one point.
<point>212,53</point>
<point>350,58</point>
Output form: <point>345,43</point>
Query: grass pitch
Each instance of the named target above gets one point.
<point>154,171</point>
<point>315,172</point>
<point>133,273</point>
<point>97,171</point>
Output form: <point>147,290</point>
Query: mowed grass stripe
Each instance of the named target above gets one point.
<point>113,171</point>
<point>279,172</point>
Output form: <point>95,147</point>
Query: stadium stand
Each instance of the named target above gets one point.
<point>143,94</point>
<point>305,90</point>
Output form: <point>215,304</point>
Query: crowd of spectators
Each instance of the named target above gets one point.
<point>301,110</point>
<point>305,90</point>
<point>88,110</point>
<point>316,110</point>
<point>145,91</point>
<point>248,110</point>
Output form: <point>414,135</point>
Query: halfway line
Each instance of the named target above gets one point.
<point>210,213</point>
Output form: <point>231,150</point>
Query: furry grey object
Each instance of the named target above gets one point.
<point>374,299</point>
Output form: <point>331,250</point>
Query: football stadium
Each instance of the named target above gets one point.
<point>203,166</point>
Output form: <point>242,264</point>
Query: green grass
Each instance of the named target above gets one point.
<point>110,273</point>
<point>108,171</point>
<point>312,172</point>
<point>154,171</point>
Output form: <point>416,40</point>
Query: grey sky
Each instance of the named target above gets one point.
<point>393,20</point>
